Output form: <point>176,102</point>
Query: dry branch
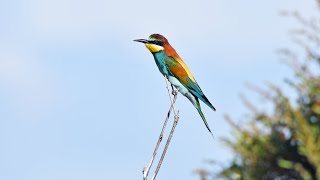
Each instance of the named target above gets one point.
<point>176,119</point>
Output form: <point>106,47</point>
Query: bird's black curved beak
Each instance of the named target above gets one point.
<point>141,40</point>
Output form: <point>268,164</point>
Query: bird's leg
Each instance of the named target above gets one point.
<point>172,88</point>
<point>174,109</point>
<point>175,92</point>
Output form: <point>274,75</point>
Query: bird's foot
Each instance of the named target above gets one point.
<point>175,92</point>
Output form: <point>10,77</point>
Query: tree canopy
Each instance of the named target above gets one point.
<point>284,143</point>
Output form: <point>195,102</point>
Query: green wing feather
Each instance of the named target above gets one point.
<point>176,70</point>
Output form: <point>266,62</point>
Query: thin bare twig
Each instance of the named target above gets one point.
<point>147,170</point>
<point>176,119</point>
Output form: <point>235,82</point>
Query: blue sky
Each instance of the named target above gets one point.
<point>80,100</point>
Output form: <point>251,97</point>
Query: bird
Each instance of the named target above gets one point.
<point>172,67</point>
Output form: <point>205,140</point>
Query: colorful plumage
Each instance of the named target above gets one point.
<point>176,71</point>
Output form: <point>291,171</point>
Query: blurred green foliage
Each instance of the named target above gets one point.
<point>285,142</point>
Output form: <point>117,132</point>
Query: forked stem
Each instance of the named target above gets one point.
<point>147,170</point>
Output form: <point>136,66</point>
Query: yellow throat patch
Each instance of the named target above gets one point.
<point>154,48</point>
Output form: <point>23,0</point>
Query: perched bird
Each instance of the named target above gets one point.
<point>176,71</point>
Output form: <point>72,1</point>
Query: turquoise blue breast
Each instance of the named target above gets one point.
<point>160,58</point>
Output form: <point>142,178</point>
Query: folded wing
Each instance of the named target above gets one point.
<point>179,70</point>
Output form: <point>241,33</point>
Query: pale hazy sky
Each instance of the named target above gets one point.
<point>80,100</point>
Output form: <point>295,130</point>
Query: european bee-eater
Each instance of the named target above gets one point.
<point>176,71</point>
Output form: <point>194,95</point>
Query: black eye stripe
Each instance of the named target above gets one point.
<point>160,43</point>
